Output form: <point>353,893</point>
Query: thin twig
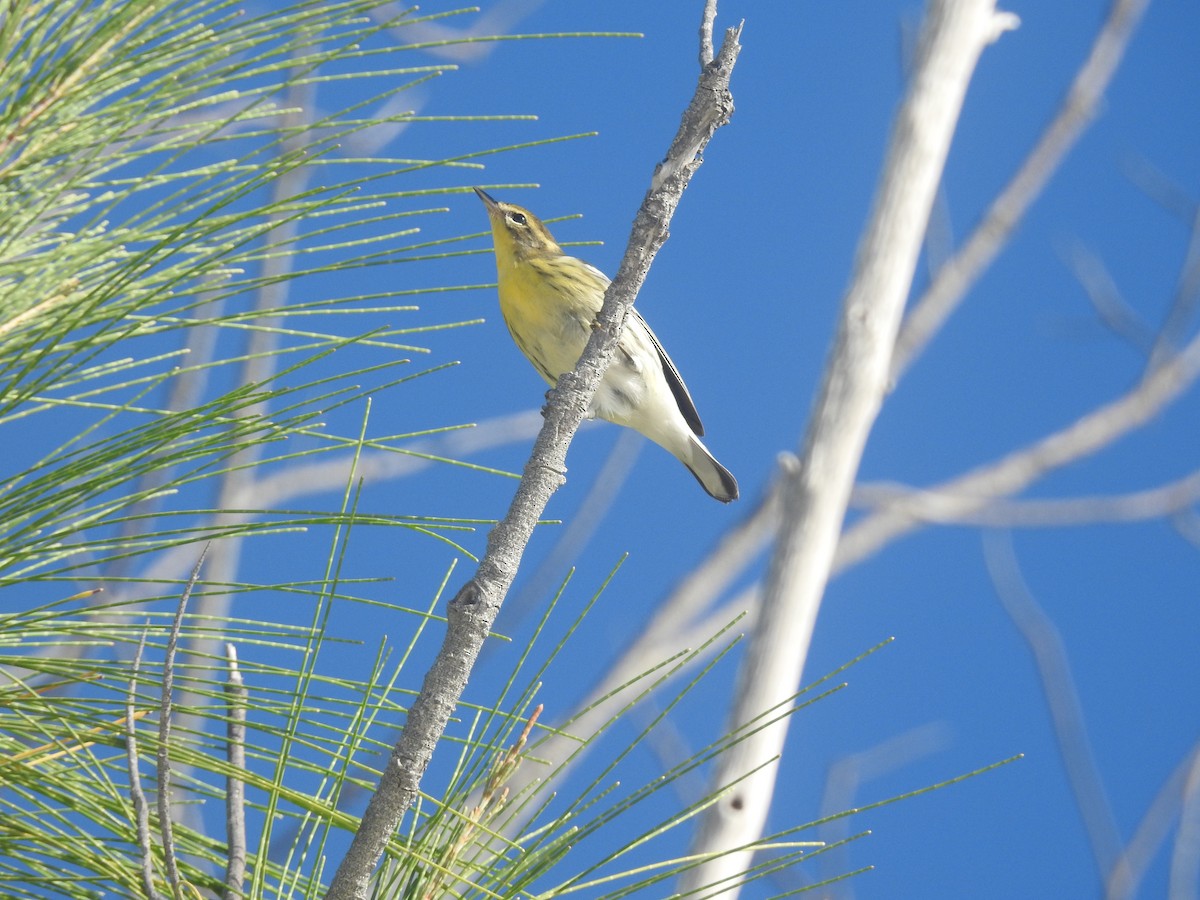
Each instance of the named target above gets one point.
<point>186,392</point>
<point>1126,876</point>
<point>1062,698</point>
<point>164,735</point>
<point>304,479</point>
<point>270,490</point>
<point>1183,307</point>
<point>931,506</point>
<point>954,279</point>
<point>1184,878</point>
<point>847,776</point>
<point>474,608</point>
<point>65,86</point>
<point>235,785</point>
<point>141,809</point>
<point>1174,198</point>
<point>976,489</point>
<point>259,364</point>
<point>42,308</point>
<point>1106,298</point>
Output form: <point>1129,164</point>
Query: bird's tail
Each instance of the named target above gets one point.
<point>713,477</point>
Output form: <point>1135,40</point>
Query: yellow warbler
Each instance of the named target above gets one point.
<point>550,300</point>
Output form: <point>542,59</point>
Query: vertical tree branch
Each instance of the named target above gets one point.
<point>474,609</point>
<point>235,785</point>
<point>260,360</point>
<point>141,809</point>
<point>815,498</point>
<point>706,33</point>
<point>164,735</point>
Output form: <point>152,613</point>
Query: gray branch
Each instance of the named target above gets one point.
<point>962,496</point>
<point>1062,698</point>
<point>814,501</point>
<point>932,506</point>
<point>1152,832</point>
<point>954,279</point>
<point>141,810</point>
<point>235,784</point>
<point>164,735</point>
<point>474,609</point>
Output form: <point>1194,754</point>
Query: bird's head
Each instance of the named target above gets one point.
<point>516,231</point>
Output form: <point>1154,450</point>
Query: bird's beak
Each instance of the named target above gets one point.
<point>487,199</point>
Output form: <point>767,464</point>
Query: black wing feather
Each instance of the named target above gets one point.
<point>678,388</point>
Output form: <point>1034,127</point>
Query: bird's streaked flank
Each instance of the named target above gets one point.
<point>550,300</point>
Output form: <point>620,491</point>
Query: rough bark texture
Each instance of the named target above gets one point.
<point>474,608</point>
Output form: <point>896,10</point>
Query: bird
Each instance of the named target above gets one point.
<point>549,302</point>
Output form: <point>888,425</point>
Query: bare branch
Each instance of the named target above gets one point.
<point>1187,525</point>
<point>1062,699</point>
<point>1106,298</point>
<point>235,785</point>
<point>141,810</point>
<point>1175,199</point>
<point>953,36</point>
<point>706,33</point>
<point>973,491</point>
<point>164,735</point>
<point>453,43</point>
<point>1185,860</point>
<point>1152,831</point>
<point>955,278</point>
<point>847,775</point>
<point>932,506</point>
<point>259,361</point>
<point>1187,295</point>
<point>474,609</point>
<point>302,479</point>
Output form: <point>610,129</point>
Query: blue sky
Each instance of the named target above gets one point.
<point>745,295</point>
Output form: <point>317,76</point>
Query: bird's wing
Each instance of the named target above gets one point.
<point>678,388</point>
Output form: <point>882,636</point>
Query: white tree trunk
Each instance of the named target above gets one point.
<point>953,35</point>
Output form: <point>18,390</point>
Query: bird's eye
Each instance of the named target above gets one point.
<point>517,218</point>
